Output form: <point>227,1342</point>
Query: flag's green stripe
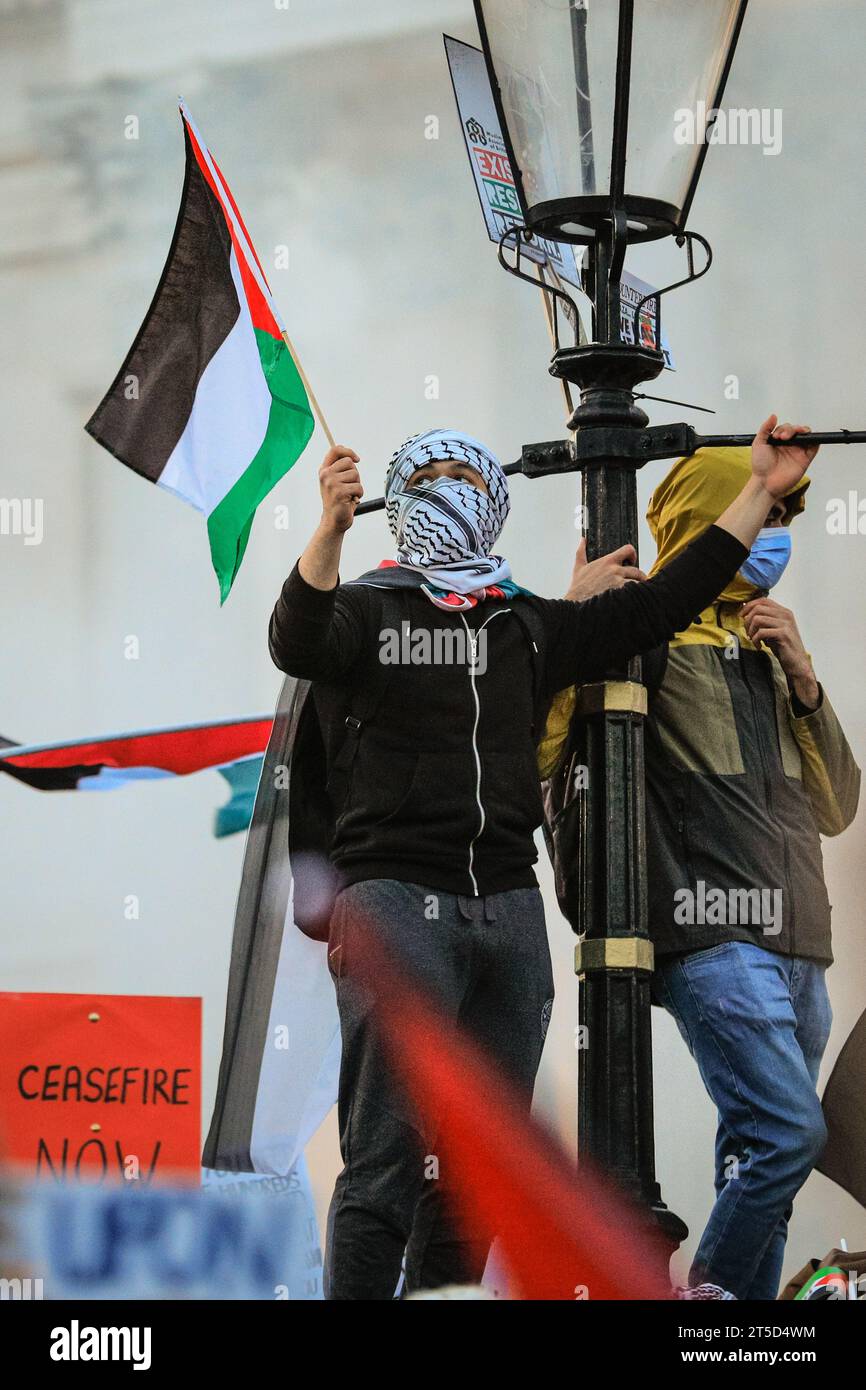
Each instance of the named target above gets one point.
<point>290,424</point>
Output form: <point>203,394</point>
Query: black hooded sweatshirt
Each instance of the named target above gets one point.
<point>444,788</point>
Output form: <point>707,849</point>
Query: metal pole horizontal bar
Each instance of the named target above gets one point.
<point>737,441</point>
<point>701,441</point>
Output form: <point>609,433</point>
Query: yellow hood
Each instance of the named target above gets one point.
<point>694,494</point>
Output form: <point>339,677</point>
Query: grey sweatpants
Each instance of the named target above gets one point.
<point>483,963</point>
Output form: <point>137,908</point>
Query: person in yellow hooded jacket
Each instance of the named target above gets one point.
<point>746,767</point>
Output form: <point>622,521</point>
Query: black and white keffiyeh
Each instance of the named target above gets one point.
<point>445,528</point>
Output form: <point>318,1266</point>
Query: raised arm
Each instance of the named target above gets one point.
<point>587,640</point>
<point>316,629</point>
<point>317,634</point>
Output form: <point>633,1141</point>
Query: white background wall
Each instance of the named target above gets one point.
<point>317,116</point>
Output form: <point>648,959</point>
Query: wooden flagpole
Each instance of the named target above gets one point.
<point>548,314</point>
<point>317,409</point>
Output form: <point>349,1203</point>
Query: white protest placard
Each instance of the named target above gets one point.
<point>489,160</point>
<point>632,290</point>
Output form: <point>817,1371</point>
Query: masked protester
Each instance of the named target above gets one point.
<point>432,675</point>
<point>747,766</point>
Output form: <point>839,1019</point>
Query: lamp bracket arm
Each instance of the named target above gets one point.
<point>610,445</point>
<point>682,238</point>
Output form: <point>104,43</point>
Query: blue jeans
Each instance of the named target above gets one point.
<point>757,1024</point>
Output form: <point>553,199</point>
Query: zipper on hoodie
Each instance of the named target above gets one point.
<point>473,641</point>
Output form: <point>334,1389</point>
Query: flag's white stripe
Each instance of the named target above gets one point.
<point>297,1084</point>
<point>248,251</point>
<point>109,778</point>
<point>229,417</point>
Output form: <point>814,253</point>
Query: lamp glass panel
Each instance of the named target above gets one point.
<point>555,62</point>
<point>679,49</point>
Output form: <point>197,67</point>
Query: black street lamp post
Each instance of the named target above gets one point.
<point>586,92</point>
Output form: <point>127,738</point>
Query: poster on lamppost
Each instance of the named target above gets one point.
<point>489,161</point>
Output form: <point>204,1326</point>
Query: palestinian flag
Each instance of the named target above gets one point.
<point>209,403</point>
<point>829,1282</point>
<point>232,747</point>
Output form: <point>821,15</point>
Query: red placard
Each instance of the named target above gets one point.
<point>101,1087</point>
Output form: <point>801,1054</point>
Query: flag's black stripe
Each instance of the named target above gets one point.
<point>51,779</point>
<point>191,315</point>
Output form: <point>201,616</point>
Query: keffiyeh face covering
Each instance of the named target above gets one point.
<point>445,527</point>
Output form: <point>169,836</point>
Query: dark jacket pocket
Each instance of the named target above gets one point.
<point>511,792</point>
<point>401,791</point>
<point>381,786</point>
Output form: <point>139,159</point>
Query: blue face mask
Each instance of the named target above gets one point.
<point>768,557</point>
